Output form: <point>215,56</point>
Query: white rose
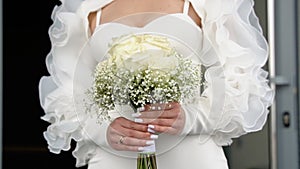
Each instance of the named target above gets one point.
<point>140,51</point>
<point>152,59</point>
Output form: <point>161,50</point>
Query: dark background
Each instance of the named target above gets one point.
<point>25,46</point>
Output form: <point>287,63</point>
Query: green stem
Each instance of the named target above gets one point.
<point>146,161</point>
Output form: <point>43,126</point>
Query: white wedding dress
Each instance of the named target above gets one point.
<point>235,101</point>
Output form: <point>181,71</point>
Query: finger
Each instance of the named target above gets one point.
<point>157,112</point>
<point>131,133</point>
<point>163,121</point>
<point>159,121</point>
<point>120,123</point>
<point>172,113</point>
<point>130,141</point>
<point>168,130</point>
<point>122,147</point>
<point>161,106</point>
<point>134,126</point>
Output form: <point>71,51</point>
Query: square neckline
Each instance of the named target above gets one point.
<point>184,13</point>
<point>191,21</point>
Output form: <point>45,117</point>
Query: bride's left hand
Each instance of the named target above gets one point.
<point>163,118</point>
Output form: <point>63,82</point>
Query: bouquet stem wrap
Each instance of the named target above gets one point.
<point>147,158</point>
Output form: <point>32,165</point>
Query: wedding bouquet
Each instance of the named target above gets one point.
<point>142,69</point>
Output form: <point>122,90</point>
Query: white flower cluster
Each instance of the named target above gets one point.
<point>151,73</point>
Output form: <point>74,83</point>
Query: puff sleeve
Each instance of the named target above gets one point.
<point>237,96</point>
<point>68,34</point>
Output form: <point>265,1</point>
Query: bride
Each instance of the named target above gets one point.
<point>227,39</point>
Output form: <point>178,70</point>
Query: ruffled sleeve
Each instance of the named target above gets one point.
<point>68,34</point>
<point>237,96</point>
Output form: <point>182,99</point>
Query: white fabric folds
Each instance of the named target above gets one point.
<point>237,97</point>
<point>67,35</point>
<point>234,103</point>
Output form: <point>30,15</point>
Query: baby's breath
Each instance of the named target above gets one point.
<point>114,85</point>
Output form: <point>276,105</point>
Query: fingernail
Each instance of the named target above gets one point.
<point>152,108</point>
<point>138,120</point>
<point>151,126</point>
<point>141,109</point>
<point>153,136</point>
<point>136,114</point>
<point>150,142</point>
<point>150,130</point>
<point>141,148</point>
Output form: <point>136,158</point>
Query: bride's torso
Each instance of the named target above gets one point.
<point>177,20</point>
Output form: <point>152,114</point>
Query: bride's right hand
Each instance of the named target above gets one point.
<point>127,135</point>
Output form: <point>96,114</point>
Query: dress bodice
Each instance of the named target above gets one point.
<point>182,31</point>
<point>184,34</point>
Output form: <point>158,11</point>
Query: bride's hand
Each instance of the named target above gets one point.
<point>163,118</point>
<point>124,134</point>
